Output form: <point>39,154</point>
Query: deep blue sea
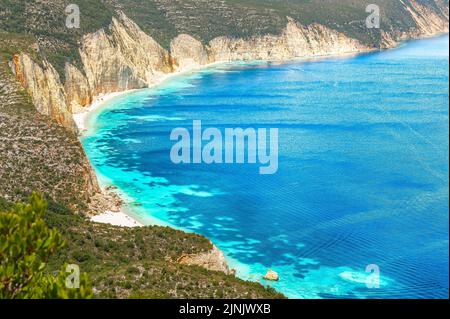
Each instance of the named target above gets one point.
<point>363,169</point>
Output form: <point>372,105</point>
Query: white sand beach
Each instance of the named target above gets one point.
<point>117,219</point>
<point>99,101</point>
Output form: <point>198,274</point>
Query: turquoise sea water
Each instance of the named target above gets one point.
<point>363,169</point>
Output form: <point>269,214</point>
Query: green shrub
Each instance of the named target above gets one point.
<point>26,243</point>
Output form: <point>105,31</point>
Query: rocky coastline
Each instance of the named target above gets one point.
<point>122,58</point>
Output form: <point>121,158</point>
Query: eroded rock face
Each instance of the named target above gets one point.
<point>122,59</point>
<point>296,41</point>
<point>212,260</point>
<point>188,53</point>
<point>77,88</point>
<point>427,23</point>
<point>45,88</point>
<point>148,60</point>
<point>104,66</point>
<point>318,40</point>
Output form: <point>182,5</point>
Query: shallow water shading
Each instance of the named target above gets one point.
<point>363,169</point>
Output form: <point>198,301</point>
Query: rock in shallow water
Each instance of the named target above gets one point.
<point>271,275</point>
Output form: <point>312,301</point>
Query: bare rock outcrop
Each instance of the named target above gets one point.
<point>123,58</point>
<point>212,260</point>
<point>296,41</point>
<point>148,60</point>
<point>104,65</point>
<point>44,86</point>
<point>77,89</point>
<point>427,22</point>
<point>105,200</point>
<point>188,53</point>
<point>271,275</point>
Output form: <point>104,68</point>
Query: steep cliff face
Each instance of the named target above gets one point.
<point>188,53</point>
<point>118,59</point>
<point>78,90</point>
<point>141,52</point>
<point>45,89</point>
<point>104,65</point>
<point>427,22</point>
<point>123,57</point>
<point>296,41</point>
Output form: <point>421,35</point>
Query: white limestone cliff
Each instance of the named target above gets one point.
<point>45,88</point>
<point>123,57</point>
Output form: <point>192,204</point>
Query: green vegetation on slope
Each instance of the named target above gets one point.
<point>26,244</point>
<point>121,262</point>
<point>36,153</point>
<point>141,262</point>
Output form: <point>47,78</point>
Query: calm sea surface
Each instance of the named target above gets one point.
<point>363,169</point>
